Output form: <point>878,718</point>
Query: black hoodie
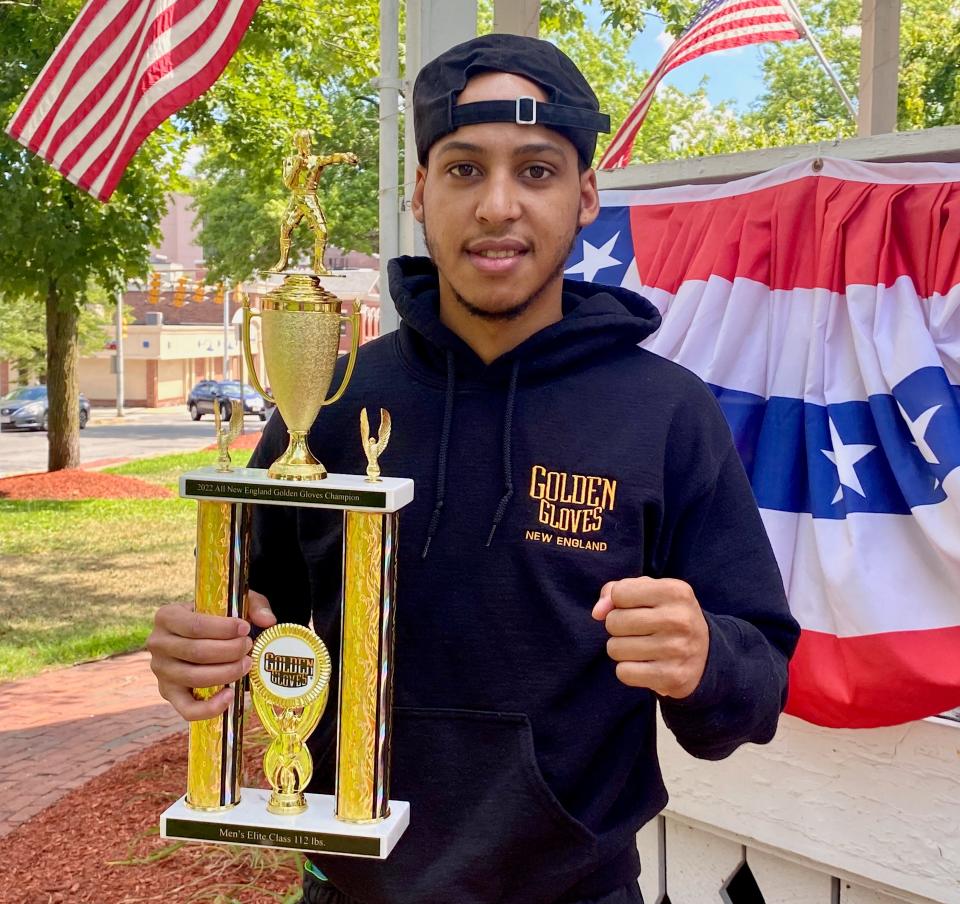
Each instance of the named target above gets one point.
<point>575,459</point>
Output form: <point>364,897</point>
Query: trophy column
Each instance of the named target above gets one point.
<point>366,666</point>
<point>213,760</point>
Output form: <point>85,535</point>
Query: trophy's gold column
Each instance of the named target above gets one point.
<point>213,762</point>
<point>366,666</point>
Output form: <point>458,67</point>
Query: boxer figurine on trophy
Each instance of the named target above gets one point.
<point>301,173</point>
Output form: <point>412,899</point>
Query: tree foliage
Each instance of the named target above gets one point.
<point>800,103</point>
<point>299,66</point>
<point>23,336</point>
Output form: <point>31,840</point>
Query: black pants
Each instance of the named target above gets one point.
<point>316,891</point>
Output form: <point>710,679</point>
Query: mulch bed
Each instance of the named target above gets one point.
<point>75,483</point>
<point>99,845</point>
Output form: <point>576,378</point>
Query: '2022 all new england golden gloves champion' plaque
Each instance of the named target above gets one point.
<point>289,678</point>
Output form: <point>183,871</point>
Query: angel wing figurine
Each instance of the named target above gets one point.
<point>373,446</point>
<point>225,437</point>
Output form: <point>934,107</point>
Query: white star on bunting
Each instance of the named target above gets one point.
<point>845,457</point>
<point>595,259</point>
<point>918,429</point>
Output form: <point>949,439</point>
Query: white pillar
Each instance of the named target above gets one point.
<point>517,17</point>
<point>879,66</point>
<point>389,85</point>
<point>433,26</point>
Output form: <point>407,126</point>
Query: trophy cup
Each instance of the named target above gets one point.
<point>289,678</point>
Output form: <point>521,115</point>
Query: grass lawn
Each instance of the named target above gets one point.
<point>81,579</point>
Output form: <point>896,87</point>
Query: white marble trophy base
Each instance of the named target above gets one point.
<point>316,830</point>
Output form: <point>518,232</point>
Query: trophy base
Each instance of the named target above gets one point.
<point>315,831</point>
<point>297,471</point>
<point>298,462</point>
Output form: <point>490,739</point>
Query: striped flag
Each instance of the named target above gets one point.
<point>720,25</point>
<point>123,67</point>
<point>824,312</point>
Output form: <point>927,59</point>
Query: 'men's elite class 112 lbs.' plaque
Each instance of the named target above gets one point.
<point>290,674</point>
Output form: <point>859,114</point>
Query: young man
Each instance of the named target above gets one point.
<point>583,544</point>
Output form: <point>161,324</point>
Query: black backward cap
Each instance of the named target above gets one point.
<point>572,109</point>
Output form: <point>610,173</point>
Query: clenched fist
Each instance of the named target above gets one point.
<point>658,635</point>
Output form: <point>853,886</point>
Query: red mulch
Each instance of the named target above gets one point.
<point>243,441</point>
<point>75,483</point>
<point>99,845</point>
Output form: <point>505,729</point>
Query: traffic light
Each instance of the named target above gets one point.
<point>218,294</point>
<point>180,292</point>
<point>199,290</point>
<point>153,289</point>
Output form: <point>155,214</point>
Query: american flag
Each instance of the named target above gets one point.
<point>123,67</point>
<point>719,25</point>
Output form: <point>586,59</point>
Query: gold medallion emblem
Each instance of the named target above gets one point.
<point>290,684</point>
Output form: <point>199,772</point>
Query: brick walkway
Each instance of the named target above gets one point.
<point>61,728</point>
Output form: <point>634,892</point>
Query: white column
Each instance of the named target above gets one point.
<point>517,17</point>
<point>389,85</point>
<point>879,66</point>
<point>433,26</point>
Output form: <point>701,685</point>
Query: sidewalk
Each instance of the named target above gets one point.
<point>63,727</point>
<point>108,415</point>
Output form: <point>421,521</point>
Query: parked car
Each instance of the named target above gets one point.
<point>206,393</point>
<point>27,408</point>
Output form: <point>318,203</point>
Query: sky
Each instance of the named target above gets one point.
<point>733,75</point>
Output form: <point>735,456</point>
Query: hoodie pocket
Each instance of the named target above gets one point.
<point>484,825</point>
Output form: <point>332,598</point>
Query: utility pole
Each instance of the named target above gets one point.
<point>226,328</point>
<point>118,353</point>
<point>241,361</point>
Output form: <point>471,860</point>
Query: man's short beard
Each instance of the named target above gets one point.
<point>519,309</point>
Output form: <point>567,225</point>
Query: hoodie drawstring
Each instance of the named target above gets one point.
<point>442,456</point>
<point>444,448</point>
<point>507,452</point>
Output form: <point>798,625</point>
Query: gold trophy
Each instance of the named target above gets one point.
<point>301,337</point>
<point>289,679</point>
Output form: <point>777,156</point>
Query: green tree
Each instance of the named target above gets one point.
<point>23,335</point>
<point>300,65</point>
<point>57,240</point>
<point>801,104</point>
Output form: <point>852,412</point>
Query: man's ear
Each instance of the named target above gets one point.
<point>416,202</point>
<point>589,197</point>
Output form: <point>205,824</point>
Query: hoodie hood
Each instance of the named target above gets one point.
<point>596,319</point>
